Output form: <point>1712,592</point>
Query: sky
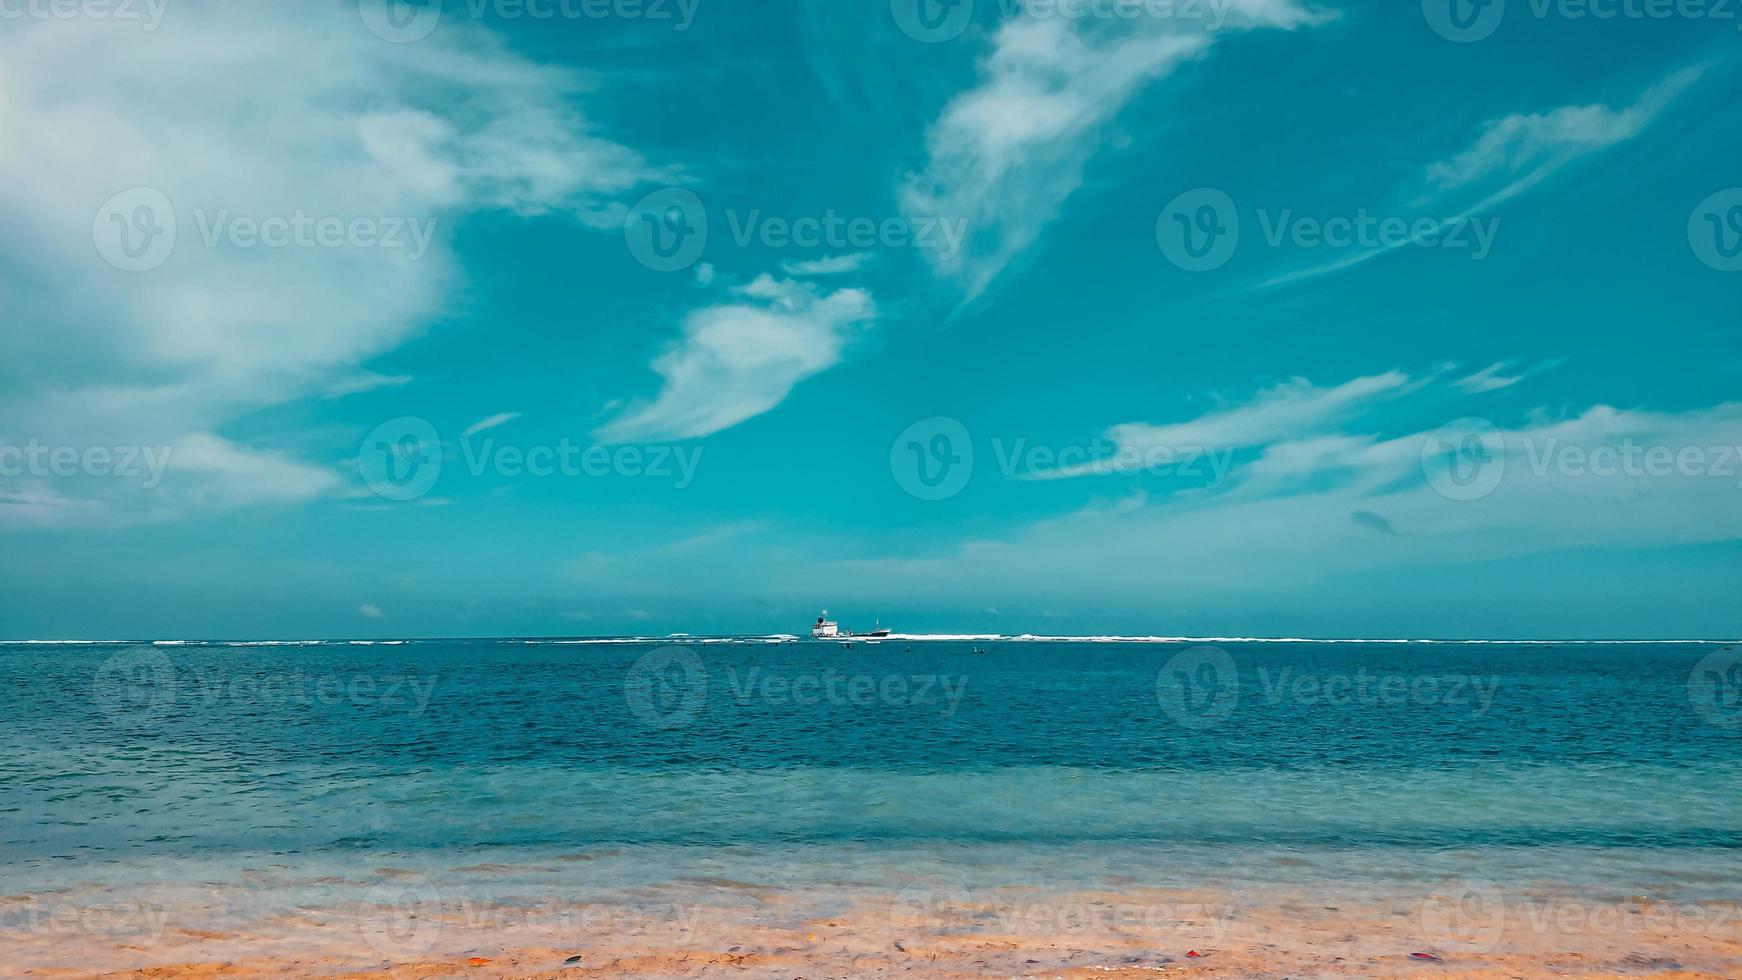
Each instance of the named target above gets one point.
<point>605,317</point>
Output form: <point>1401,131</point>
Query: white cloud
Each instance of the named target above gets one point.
<point>1307,505</point>
<point>737,360</point>
<point>833,265</point>
<point>490,422</point>
<point>221,473</point>
<point>1522,150</point>
<point>359,382</point>
<point>1265,536</point>
<point>1494,377</point>
<point>370,611</point>
<point>1006,154</point>
<point>357,129</point>
<point>1527,145</point>
<point>1285,410</point>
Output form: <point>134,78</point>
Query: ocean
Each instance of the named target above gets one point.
<point>248,783</point>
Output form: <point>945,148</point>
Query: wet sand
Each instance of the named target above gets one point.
<point>698,928</point>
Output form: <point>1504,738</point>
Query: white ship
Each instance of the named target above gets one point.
<point>827,629</point>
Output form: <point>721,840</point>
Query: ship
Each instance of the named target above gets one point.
<point>827,629</point>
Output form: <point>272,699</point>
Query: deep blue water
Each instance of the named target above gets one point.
<point>124,755</point>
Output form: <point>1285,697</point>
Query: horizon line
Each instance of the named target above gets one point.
<point>792,637</point>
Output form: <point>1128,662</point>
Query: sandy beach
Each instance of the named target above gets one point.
<point>931,929</point>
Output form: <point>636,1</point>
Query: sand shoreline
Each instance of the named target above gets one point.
<point>931,929</point>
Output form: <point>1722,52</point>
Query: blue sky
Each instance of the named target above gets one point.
<point>1248,317</point>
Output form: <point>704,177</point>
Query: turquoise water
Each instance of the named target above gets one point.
<point>628,763</point>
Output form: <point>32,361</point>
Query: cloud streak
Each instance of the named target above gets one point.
<point>1004,155</point>
<point>738,359</point>
<point>1523,150</point>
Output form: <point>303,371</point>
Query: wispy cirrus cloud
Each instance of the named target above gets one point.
<point>1494,377</point>
<point>833,265</point>
<point>738,359</point>
<point>1513,154</point>
<point>490,422</point>
<point>1005,154</point>
<point>1283,411</point>
<point>1526,147</point>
